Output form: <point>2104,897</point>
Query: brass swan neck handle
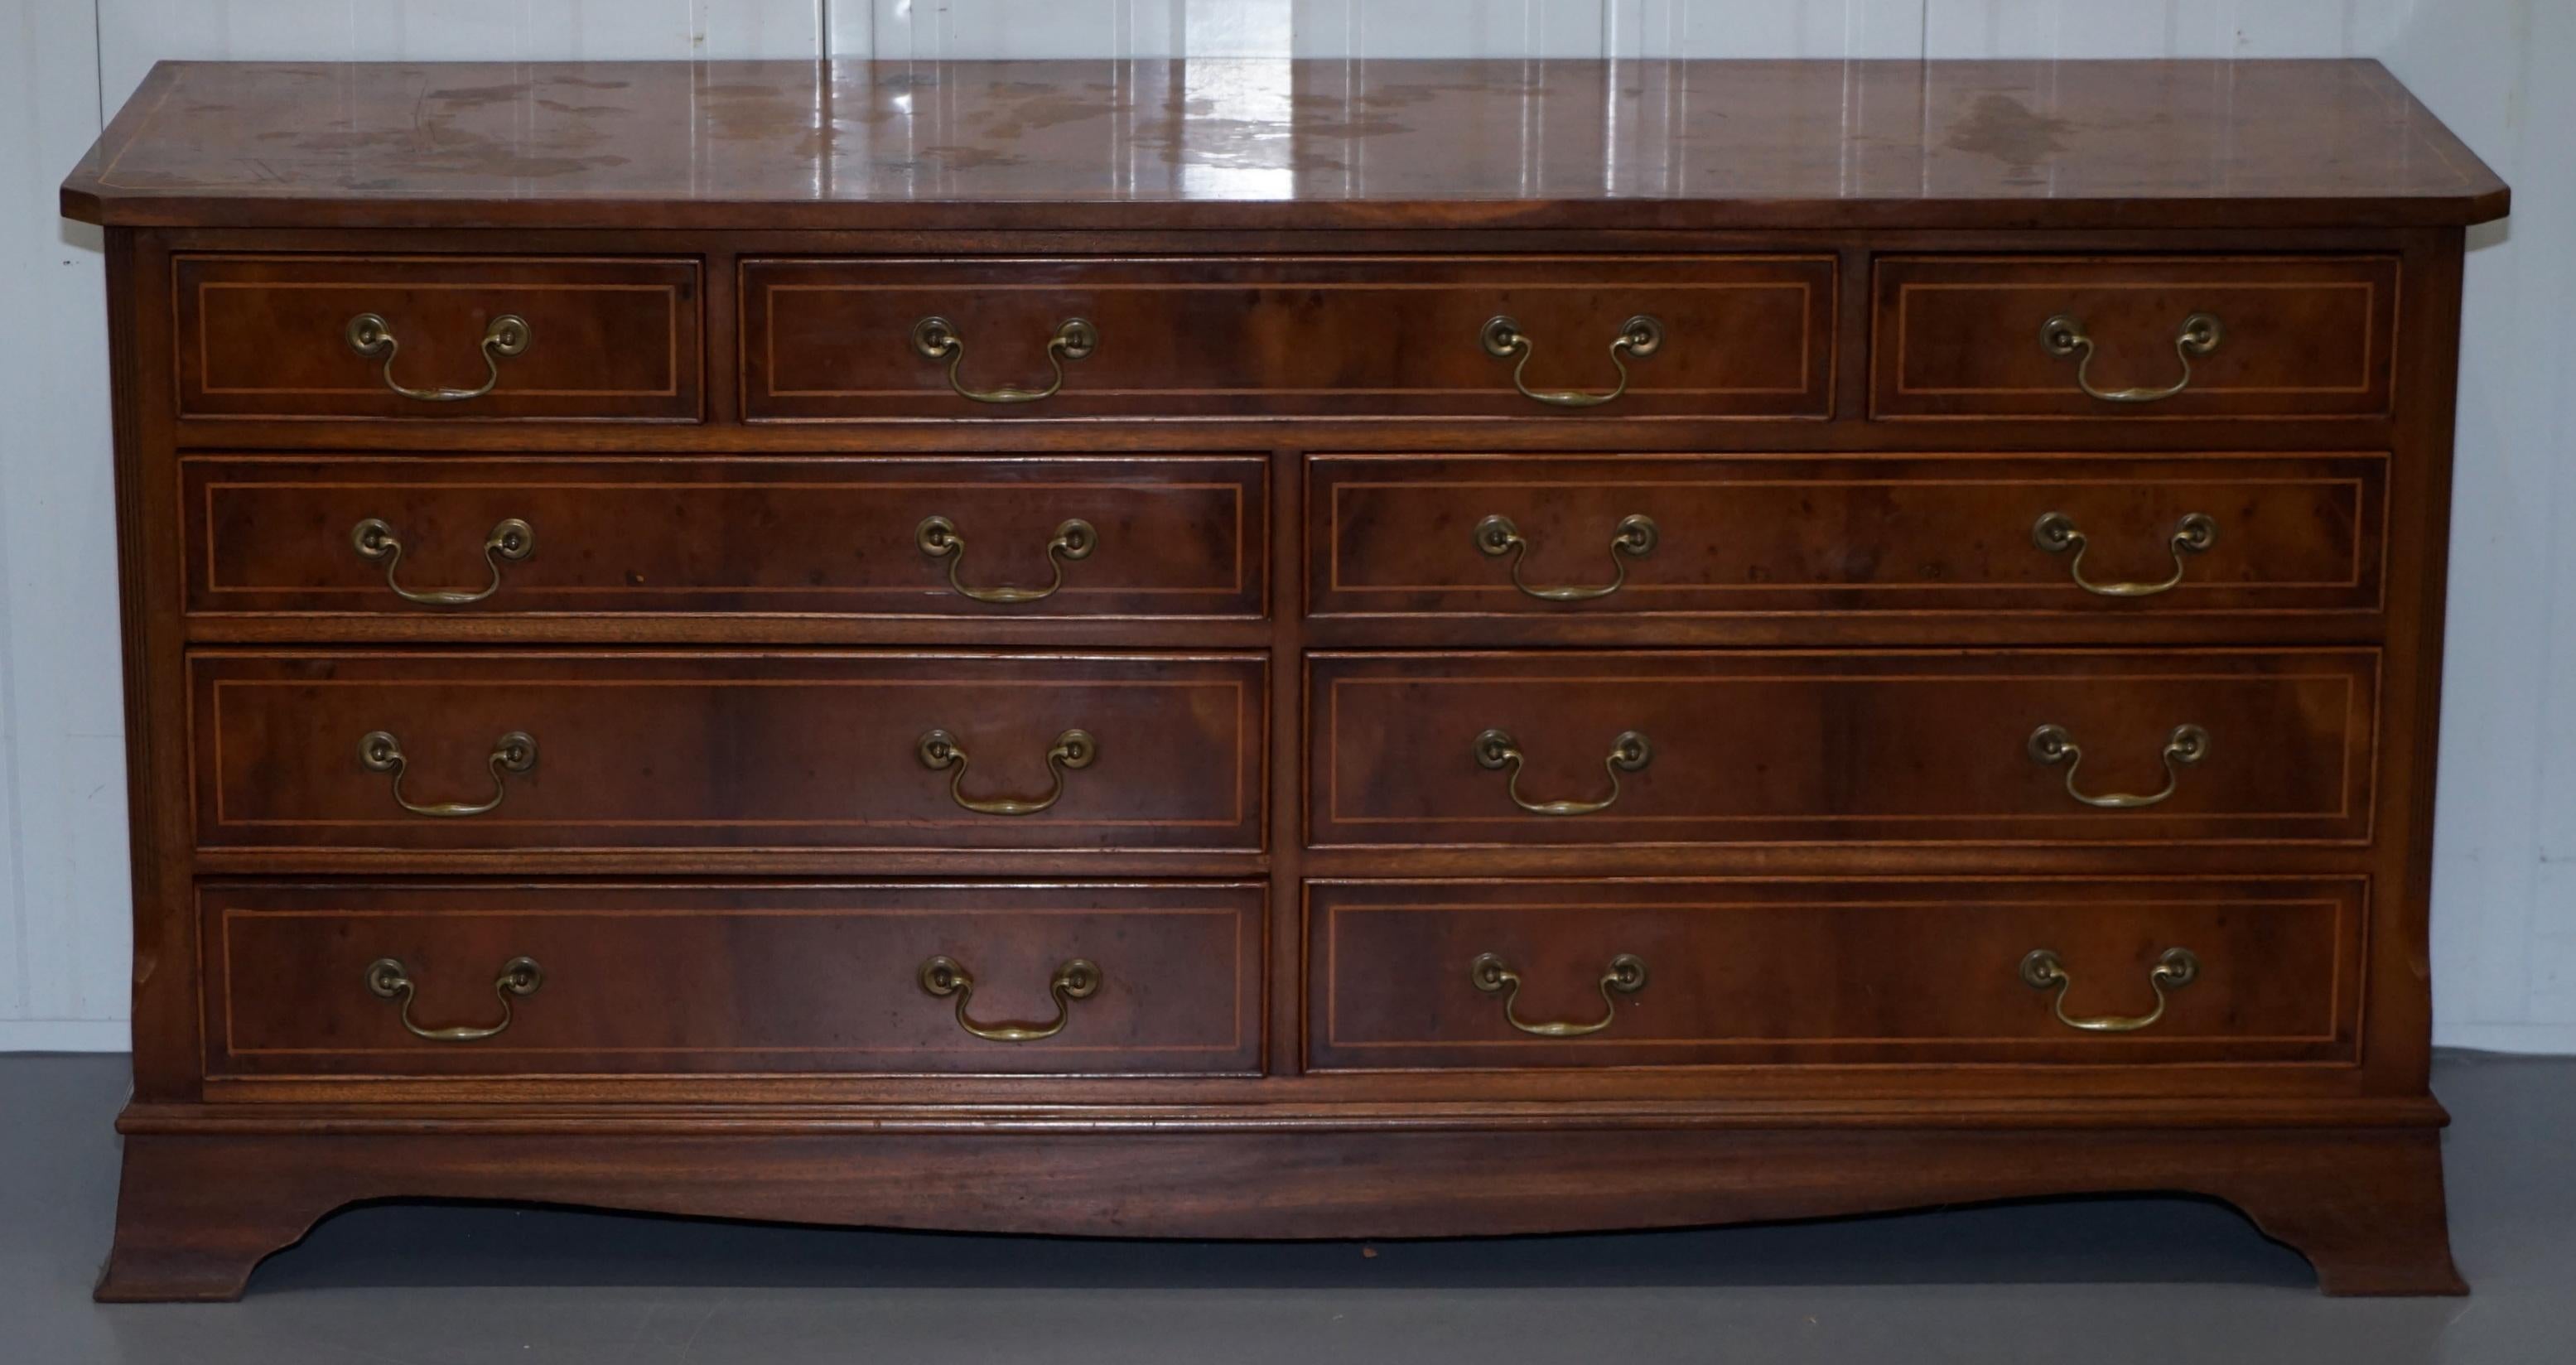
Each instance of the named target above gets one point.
<point>1634,538</point>
<point>2064,335</point>
<point>1639,337</point>
<point>2050,745</point>
<point>1626,975</point>
<point>2056,533</point>
<point>2044,970</point>
<point>1630,752</point>
<point>511,539</point>
<point>1075,979</point>
<point>370,335</point>
<point>936,338</point>
<point>515,752</point>
<point>940,751</point>
<point>939,538</point>
<point>389,979</point>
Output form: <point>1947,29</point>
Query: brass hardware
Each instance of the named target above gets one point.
<point>370,336</point>
<point>1077,979</point>
<point>2064,336</point>
<point>936,338</point>
<point>2056,533</point>
<point>1627,976</point>
<point>1628,753</point>
<point>938,538</point>
<point>515,752</point>
<point>2043,969</point>
<point>2050,745</point>
<point>1639,336</point>
<point>388,979</point>
<point>511,539</point>
<point>1634,539</point>
<point>940,750</point>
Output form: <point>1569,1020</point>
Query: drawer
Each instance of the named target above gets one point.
<point>1619,748</point>
<point>2003,336</point>
<point>595,750</point>
<point>2044,538</point>
<point>285,336</point>
<point>1319,336</point>
<point>1074,537</point>
<point>411,979</point>
<point>1551,974</point>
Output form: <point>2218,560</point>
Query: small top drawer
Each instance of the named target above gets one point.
<point>437,337</point>
<point>1458,336</point>
<point>2138,337</point>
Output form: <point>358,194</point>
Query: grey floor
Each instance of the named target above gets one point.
<point>2082,1282</point>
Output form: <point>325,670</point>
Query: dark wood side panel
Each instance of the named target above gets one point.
<point>711,750</point>
<point>1756,536</point>
<point>1881,972</point>
<point>1894,747</point>
<point>2299,337</point>
<point>267,336</point>
<point>1170,536</point>
<point>1334,336</point>
<point>639,980</point>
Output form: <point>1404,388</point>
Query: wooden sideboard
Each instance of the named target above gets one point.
<point>1278,650</point>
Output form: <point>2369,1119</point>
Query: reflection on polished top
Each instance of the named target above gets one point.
<point>1282,144</point>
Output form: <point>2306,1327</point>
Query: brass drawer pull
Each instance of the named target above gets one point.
<point>1077,979</point>
<point>940,750</point>
<point>2051,745</point>
<point>388,979</point>
<point>2064,335</point>
<point>1627,976</point>
<point>938,538</point>
<point>370,336</point>
<point>2056,533</point>
<point>1634,539</point>
<point>511,539</point>
<point>1639,336</point>
<point>2044,970</point>
<point>515,752</point>
<point>936,338</point>
<point>1628,753</point>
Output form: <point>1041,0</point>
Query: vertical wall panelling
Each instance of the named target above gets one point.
<point>2505,868</point>
<point>62,813</point>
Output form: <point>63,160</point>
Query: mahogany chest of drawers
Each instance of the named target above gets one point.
<point>1254,649</point>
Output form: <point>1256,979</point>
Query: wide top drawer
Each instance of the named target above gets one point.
<point>437,337</point>
<point>1330,336</point>
<point>2134,337</point>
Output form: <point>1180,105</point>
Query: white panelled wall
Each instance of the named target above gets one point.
<point>2504,940</point>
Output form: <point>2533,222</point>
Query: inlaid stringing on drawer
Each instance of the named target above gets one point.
<point>471,749</point>
<point>438,337</point>
<point>364,978</point>
<point>1152,536</point>
<point>1629,973</point>
<point>1984,747</point>
<point>1323,336</point>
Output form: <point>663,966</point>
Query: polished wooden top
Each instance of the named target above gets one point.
<point>1260,144</point>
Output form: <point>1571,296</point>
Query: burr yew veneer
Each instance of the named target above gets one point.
<point>1280,650</point>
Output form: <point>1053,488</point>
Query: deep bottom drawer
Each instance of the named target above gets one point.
<point>373,979</point>
<point>1532,975</point>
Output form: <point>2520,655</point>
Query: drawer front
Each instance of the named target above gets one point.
<point>2048,537</point>
<point>281,336</point>
<point>661,979</point>
<point>570,751</point>
<point>1298,336</point>
<point>2291,337</point>
<point>1143,537</point>
<point>1410,975</point>
<point>2271,747</point>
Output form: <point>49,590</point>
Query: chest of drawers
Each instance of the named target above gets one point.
<point>803,642</point>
